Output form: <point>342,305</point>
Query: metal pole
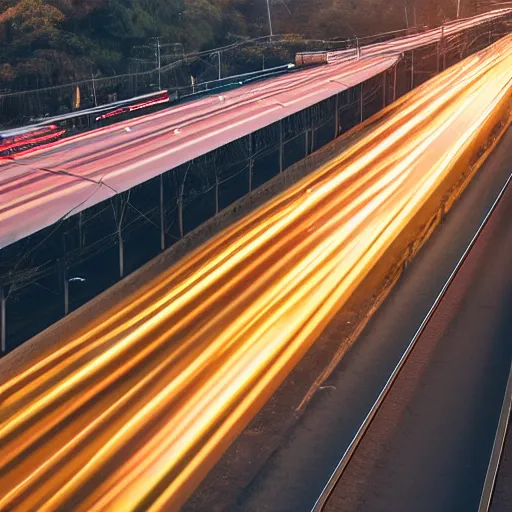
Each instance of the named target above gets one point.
<point>307,143</point>
<point>3,316</point>
<point>269,19</point>
<point>281,147</point>
<point>162,214</point>
<point>220,72</point>
<point>406,15</point>
<point>458,9</point>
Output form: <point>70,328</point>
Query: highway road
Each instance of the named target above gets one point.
<point>431,440</point>
<point>135,408</point>
<point>39,188</point>
<point>296,475</point>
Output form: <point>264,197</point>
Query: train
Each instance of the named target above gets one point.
<point>308,59</point>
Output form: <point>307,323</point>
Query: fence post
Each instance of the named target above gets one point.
<point>3,319</point>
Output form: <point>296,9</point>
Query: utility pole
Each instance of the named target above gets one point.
<point>269,20</point>
<point>158,62</point>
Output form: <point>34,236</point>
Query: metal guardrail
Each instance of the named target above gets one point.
<point>174,96</point>
<point>347,456</point>
<point>497,449</point>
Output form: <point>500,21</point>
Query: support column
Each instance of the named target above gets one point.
<point>216,193</point>
<point>443,45</point>
<point>162,214</point>
<point>281,147</point>
<point>65,285</point>
<point>123,199</point>
<point>384,89</point>
<point>361,103</point>
<point>80,230</point>
<point>395,76</point>
<point>251,161</point>
<point>412,70</point>
<point>180,215</point>
<point>337,117</point>
<point>3,320</point>
<point>121,252</point>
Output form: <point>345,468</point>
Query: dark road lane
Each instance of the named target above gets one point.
<point>430,443</point>
<point>295,476</point>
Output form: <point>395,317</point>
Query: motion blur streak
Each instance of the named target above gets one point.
<point>132,412</point>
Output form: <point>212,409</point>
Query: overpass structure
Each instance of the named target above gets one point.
<point>71,212</point>
<point>46,185</point>
<point>131,409</point>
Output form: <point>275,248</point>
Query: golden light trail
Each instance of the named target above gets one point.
<point>132,412</point>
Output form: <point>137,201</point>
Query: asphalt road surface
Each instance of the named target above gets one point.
<point>437,455</point>
<point>429,445</point>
